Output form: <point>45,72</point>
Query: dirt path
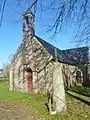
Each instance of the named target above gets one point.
<point>14,111</point>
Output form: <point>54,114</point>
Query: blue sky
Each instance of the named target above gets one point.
<point>11,31</point>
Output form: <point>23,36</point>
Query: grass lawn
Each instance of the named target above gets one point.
<point>35,103</point>
<point>81,90</point>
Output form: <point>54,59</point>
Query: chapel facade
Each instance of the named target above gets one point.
<point>32,65</point>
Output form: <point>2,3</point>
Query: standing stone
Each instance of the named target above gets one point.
<point>58,88</point>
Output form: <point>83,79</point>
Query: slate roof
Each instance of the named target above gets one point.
<point>70,56</point>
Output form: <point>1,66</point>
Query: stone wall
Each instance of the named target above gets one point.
<point>33,55</point>
<point>16,74</point>
<point>69,74</point>
<point>43,66</point>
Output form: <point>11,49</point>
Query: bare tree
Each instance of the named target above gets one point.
<point>2,8</point>
<point>64,11</point>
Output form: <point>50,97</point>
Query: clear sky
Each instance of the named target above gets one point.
<point>11,31</point>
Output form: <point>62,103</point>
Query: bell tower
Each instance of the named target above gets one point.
<point>28,22</point>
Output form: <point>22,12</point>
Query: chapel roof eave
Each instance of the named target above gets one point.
<point>70,56</point>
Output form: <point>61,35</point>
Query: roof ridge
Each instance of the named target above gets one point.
<point>69,56</point>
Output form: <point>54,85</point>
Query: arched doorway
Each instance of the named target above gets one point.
<point>29,79</point>
<point>78,77</point>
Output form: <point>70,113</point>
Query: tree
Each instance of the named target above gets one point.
<point>6,69</point>
<point>64,11</point>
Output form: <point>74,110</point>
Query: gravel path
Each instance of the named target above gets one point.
<point>15,111</point>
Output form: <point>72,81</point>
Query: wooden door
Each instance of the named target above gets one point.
<point>29,78</point>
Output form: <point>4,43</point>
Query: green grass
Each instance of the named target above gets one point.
<point>36,102</point>
<point>81,89</point>
<point>76,110</point>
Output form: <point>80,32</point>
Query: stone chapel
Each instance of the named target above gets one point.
<point>32,67</point>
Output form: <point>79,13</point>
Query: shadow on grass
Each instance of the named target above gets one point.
<point>81,93</point>
<point>79,98</point>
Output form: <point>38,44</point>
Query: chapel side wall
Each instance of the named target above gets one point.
<point>69,74</point>
<point>87,81</point>
<point>17,74</point>
<point>16,64</point>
